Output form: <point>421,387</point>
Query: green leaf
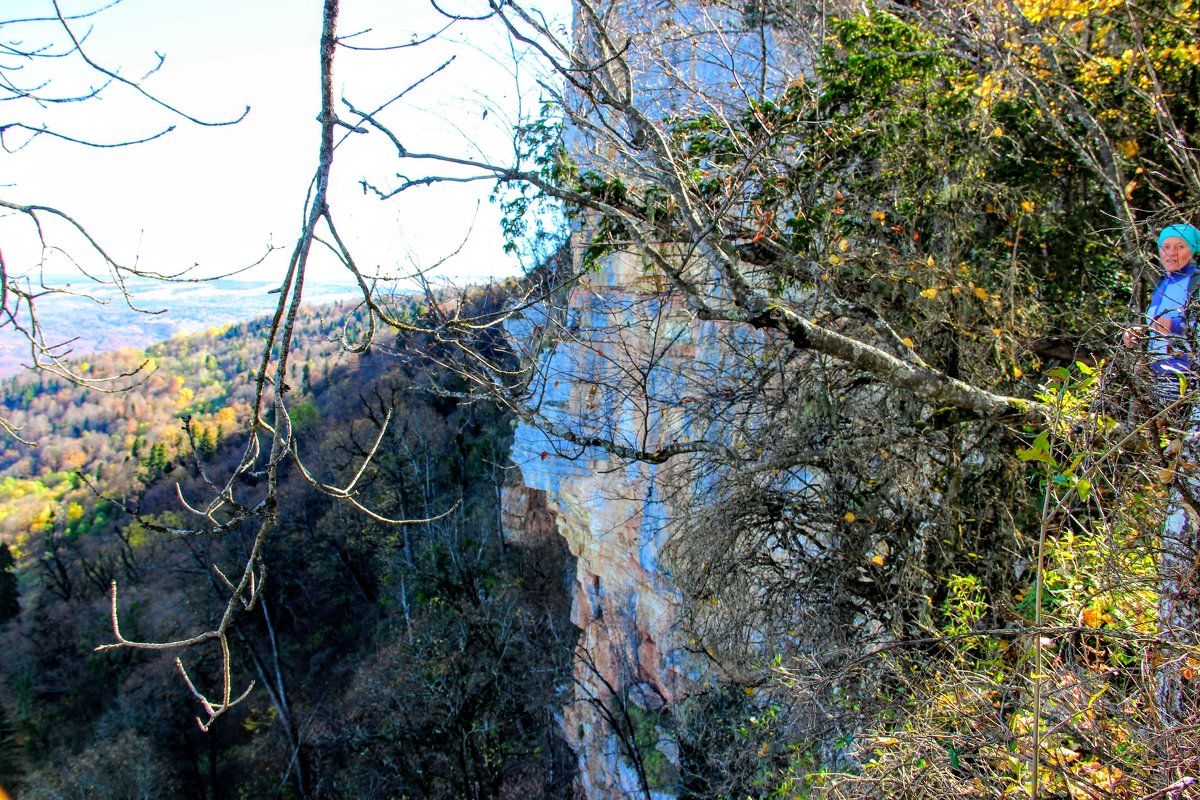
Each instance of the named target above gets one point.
<point>1039,450</point>
<point>1084,487</point>
<point>1058,373</point>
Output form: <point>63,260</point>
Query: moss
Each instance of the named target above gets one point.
<point>661,772</point>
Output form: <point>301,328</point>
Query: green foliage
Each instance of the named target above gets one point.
<point>531,220</point>
<point>965,605</point>
<point>870,59</point>
<point>642,741</point>
<point>305,417</point>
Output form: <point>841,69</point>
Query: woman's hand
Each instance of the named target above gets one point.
<point>1162,324</point>
<point>1133,336</point>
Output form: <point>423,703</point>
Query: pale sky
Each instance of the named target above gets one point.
<point>218,196</point>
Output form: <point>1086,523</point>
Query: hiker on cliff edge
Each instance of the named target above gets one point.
<point>1167,316</point>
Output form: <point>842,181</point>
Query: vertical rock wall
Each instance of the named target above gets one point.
<point>619,369</point>
<point>612,520</point>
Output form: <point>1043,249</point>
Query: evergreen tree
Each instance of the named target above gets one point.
<point>10,605</point>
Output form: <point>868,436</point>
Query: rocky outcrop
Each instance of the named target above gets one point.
<point>617,369</point>
<point>629,663</point>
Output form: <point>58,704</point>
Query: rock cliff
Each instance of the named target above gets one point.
<point>629,661</point>
<point>617,369</point>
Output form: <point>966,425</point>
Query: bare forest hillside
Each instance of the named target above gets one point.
<point>424,660</point>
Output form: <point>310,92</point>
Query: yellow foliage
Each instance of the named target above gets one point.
<point>42,520</point>
<point>992,90</point>
<point>1065,10</point>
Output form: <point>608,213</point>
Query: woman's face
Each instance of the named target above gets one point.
<point>1175,254</point>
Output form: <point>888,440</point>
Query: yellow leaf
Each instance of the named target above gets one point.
<point>835,259</point>
<point>844,245</point>
<point>879,216</point>
<point>1091,617</point>
<point>1017,372</point>
<point>877,560</point>
<point>929,262</point>
<point>997,131</point>
<point>749,690</point>
<point>1129,148</point>
<point>887,740</point>
<point>1129,187</point>
<point>1027,206</point>
<point>849,516</point>
<point>907,341</point>
<point>929,294</point>
<point>981,293</point>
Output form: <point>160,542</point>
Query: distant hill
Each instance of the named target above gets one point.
<point>184,307</point>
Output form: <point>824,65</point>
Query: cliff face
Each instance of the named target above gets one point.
<point>629,664</point>
<point>621,368</point>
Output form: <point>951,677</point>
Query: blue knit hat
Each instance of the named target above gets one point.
<point>1190,236</point>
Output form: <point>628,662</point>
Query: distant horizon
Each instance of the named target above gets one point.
<point>92,327</point>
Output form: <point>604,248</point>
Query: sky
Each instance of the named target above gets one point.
<point>219,197</point>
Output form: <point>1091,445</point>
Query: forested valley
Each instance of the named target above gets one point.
<point>425,661</point>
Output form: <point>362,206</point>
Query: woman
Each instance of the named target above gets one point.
<point>1167,315</point>
<point>1167,321</point>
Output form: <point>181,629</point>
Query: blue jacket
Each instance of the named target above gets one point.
<point>1172,352</point>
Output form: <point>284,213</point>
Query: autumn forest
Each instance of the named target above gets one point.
<point>836,439</point>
